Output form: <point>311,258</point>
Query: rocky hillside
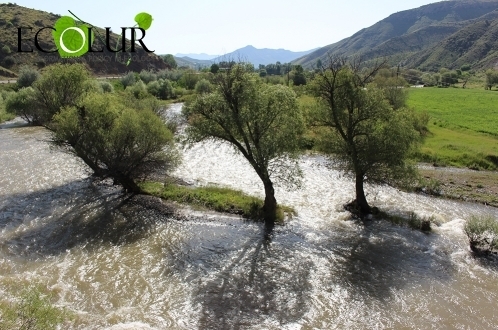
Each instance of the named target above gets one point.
<point>103,63</point>
<point>412,37</point>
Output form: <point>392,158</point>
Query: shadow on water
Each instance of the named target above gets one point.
<point>80,213</point>
<point>256,283</point>
<point>275,282</point>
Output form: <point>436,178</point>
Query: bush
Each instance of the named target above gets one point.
<point>172,75</point>
<point>6,49</point>
<point>27,76</point>
<point>128,80</point>
<point>116,140</point>
<point>9,61</point>
<point>60,86</point>
<point>147,76</point>
<point>203,86</point>
<point>161,89</point>
<point>106,87</point>
<point>139,90</point>
<point>23,104</point>
<point>482,232</point>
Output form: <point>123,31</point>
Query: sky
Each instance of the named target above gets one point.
<point>218,27</point>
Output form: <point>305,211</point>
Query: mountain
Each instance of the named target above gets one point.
<point>193,63</point>
<point>202,56</point>
<point>408,35</point>
<point>13,16</point>
<point>261,56</point>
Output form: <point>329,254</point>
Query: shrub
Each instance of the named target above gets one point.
<point>161,89</point>
<point>115,139</point>
<point>147,76</point>
<point>27,76</point>
<point>203,86</point>
<point>61,85</point>
<point>128,79</point>
<point>6,49</point>
<point>172,75</point>
<point>23,104</point>
<point>482,232</point>
<point>106,87</point>
<point>9,61</point>
<point>139,90</point>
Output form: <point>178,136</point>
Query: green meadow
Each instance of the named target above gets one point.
<point>463,126</point>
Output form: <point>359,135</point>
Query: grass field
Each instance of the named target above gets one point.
<point>463,126</point>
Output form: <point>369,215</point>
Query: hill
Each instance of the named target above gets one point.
<point>193,63</point>
<point>408,33</point>
<point>262,56</point>
<point>102,63</point>
<point>201,56</point>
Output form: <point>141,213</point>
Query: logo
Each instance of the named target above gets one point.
<point>75,38</point>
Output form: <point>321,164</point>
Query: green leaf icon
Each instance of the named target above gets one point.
<point>143,20</point>
<point>71,39</point>
<point>128,62</point>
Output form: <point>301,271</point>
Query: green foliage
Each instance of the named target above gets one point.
<point>114,139</point>
<point>491,78</point>
<point>482,232</point>
<point>188,79</point>
<point>394,89</point>
<point>61,85</point>
<point>23,104</point>
<point>161,89</point>
<point>139,90</point>
<point>4,115</point>
<point>170,61</point>
<point>260,121</point>
<point>34,310</point>
<point>9,61</point>
<point>298,77</point>
<point>27,76</point>
<point>214,68</point>
<point>6,49</point>
<point>106,86</point>
<point>128,79</point>
<point>147,76</point>
<point>171,75</point>
<point>203,86</point>
<point>213,198</point>
<point>367,137</point>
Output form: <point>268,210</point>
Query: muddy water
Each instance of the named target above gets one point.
<point>122,263</point>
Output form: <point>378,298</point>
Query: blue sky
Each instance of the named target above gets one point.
<point>221,26</point>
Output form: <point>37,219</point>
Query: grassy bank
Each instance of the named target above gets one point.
<point>463,126</point>
<point>214,198</point>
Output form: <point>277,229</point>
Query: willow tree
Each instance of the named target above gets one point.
<point>115,138</point>
<point>366,135</point>
<point>260,121</point>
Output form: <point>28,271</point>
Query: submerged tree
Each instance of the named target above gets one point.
<point>262,122</point>
<point>367,136</point>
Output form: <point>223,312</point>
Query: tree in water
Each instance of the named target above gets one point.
<point>262,122</point>
<point>366,135</point>
<point>115,139</point>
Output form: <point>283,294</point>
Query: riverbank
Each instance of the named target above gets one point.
<point>460,184</point>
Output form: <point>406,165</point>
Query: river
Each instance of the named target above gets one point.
<point>127,263</point>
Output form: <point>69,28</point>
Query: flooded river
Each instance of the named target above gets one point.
<point>127,263</point>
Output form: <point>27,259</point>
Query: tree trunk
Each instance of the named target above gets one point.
<point>270,206</point>
<point>128,184</point>
<point>361,200</point>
